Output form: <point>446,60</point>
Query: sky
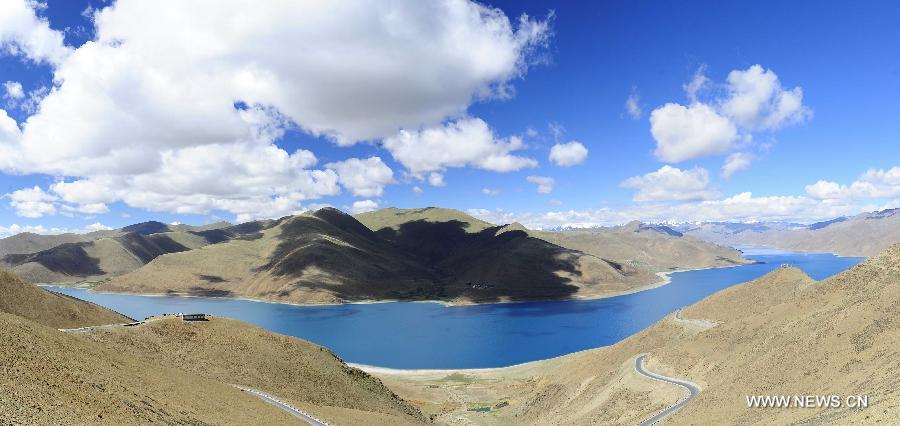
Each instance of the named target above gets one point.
<point>567,114</point>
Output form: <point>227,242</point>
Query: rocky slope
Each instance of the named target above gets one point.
<point>782,334</point>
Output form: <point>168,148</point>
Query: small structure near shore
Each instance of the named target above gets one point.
<point>194,317</point>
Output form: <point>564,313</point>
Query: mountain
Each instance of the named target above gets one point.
<point>28,242</point>
<point>865,234</point>
<point>54,310</point>
<point>781,334</point>
<point>649,247</point>
<point>305,258</point>
<point>167,370</point>
<point>113,253</point>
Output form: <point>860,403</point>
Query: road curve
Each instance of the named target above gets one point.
<point>296,412</point>
<point>692,389</point>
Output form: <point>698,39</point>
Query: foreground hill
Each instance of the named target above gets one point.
<point>29,301</point>
<point>306,375</point>
<point>862,235</point>
<point>168,370</point>
<point>328,256</point>
<point>110,253</point>
<point>782,334</point>
<point>51,377</point>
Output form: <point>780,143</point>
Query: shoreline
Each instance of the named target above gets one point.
<point>665,278</point>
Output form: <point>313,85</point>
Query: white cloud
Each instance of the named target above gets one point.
<point>544,183</point>
<point>683,133</point>
<point>568,154</point>
<point>742,207</point>
<point>436,179</point>
<point>672,184</point>
<point>736,162</point>
<point>490,192</point>
<point>363,206</point>
<point>757,101</point>
<point>22,32</point>
<point>13,90</point>
<point>166,101</point>
<point>633,105</point>
<point>32,202</point>
<point>874,183</point>
<point>461,143</point>
<point>364,178</point>
<point>697,84</point>
<point>754,101</point>
<point>417,190</point>
<point>6,231</point>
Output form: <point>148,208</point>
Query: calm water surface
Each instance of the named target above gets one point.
<point>430,335</point>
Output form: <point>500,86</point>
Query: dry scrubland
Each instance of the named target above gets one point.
<point>168,370</point>
<point>421,254</point>
<point>781,334</point>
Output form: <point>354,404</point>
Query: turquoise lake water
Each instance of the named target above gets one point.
<point>430,335</point>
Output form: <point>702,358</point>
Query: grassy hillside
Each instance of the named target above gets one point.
<point>394,217</point>
<point>782,334</point>
<point>29,301</point>
<point>130,248</point>
<point>306,375</point>
<point>305,259</point>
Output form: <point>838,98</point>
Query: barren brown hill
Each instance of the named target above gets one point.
<point>54,310</point>
<point>308,258</point>
<point>782,334</point>
<point>652,247</point>
<point>306,375</point>
<point>51,377</point>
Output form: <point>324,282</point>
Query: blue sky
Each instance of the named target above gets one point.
<point>833,152</point>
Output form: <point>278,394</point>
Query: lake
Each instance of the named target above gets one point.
<point>414,335</point>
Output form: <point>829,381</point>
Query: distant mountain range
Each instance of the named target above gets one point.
<point>328,256</point>
<point>865,234</point>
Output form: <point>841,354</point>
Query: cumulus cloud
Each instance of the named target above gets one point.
<point>568,154</point>
<point>736,162</point>
<point>757,101</point>
<point>22,32</point>
<point>460,143</point>
<point>32,202</point>
<point>364,178</point>
<point>672,184</point>
<point>544,183</point>
<point>753,101</point>
<point>436,179</point>
<point>13,90</point>
<point>417,190</point>
<point>633,105</point>
<point>363,206</point>
<point>168,100</point>
<point>874,183</point>
<point>686,132</point>
<point>490,192</point>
